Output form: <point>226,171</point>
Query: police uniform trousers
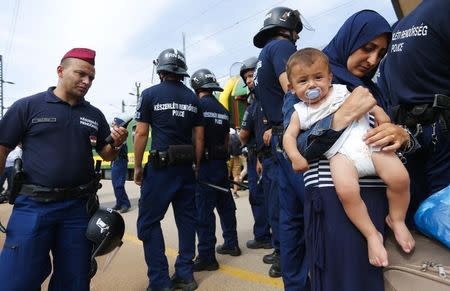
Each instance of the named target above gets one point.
<point>36,228</point>
<point>119,172</point>
<point>337,251</point>
<point>214,172</point>
<point>293,262</point>
<point>271,190</point>
<point>429,167</point>
<point>261,227</point>
<point>160,187</point>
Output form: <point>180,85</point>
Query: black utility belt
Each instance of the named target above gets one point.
<point>424,113</point>
<point>45,194</point>
<point>175,155</point>
<point>264,154</point>
<point>277,130</point>
<point>218,152</point>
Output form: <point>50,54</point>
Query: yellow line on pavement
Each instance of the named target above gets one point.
<point>226,269</point>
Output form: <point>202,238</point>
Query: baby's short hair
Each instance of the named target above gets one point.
<point>306,56</point>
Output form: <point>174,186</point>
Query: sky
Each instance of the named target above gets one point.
<point>129,34</point>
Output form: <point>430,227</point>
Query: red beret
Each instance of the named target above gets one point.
<point>84,54</point>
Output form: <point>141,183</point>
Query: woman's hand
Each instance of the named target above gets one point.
<point>387,136</point>
<point>358,103</point>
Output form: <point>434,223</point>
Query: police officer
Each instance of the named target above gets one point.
<point>415,76</point>
<point>119,173</point>
<point>173,112</point>
<point>277,39</point>
<point>16,153</point>
<point>213,170</point>
<point>249,127</point>
<point>58,129</point>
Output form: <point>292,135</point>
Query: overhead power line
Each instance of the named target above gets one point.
<point>12,31</point>
<point>189,20</point>
<point>217,32</point>
<point>233,24</point>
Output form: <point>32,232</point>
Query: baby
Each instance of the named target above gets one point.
<point>310,79</point>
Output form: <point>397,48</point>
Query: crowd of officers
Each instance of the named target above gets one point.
<point>192,128</point>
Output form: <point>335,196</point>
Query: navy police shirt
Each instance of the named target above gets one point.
<point>172,110</point>
<point>417,65</point>
<point>271,64</point>
<point>57,138</point>
<point>216,121</point>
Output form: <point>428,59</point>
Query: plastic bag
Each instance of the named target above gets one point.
<point>433,216</point>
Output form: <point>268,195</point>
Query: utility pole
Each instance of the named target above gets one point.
<point>123,106</point>
<point>138,93</point>
<point>1,86</point>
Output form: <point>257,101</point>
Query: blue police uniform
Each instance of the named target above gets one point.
<point>271,64</point>
<point>213,170</point>
<point>57,153</point>
<point>119,173</point>
<point>261,227</point>
<point>415,69</point>
<point>173,111</point>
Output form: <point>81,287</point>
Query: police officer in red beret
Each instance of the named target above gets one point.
<point>58,129</point>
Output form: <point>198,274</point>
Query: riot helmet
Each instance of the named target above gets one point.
<point>278,17</point>
<point>105,229</point>
<point>247,65</point>
<point>172,61</point>
<point>204,79</point>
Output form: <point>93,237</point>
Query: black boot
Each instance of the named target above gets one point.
<point>256,244</point>
<point>272,258</point>
<point>160,289</point>
<point>226,250</point>
<point>275,270</point>
<point>205,265</point>
<point>183,284</point>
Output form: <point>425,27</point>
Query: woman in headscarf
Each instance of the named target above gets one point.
<point>337,250</point>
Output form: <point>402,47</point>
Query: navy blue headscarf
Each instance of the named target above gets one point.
<point>356,31</point>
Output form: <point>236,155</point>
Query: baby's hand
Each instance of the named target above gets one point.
<point>300,164</point>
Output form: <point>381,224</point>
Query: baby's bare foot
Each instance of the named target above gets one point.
<point>377,253</point>
<point>402,235</point>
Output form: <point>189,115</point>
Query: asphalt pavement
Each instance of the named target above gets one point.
<point>128,271</point>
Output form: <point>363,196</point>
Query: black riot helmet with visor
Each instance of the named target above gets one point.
<point>276,18</point>
<point>105,229</point>
<point>204,79</point>
<point>172,61</point>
